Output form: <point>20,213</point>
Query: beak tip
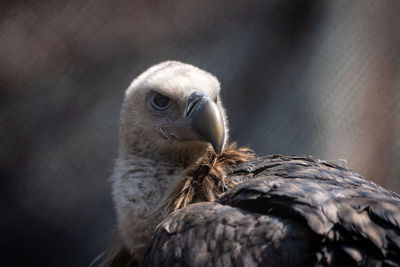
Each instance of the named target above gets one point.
<point>217,146</point>
<point>218,152</point>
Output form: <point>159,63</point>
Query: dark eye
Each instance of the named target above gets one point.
<point>160,102</point>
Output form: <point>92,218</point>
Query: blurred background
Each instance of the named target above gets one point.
<point>298,77</point>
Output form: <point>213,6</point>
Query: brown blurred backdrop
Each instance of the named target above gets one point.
<point>298,77</point>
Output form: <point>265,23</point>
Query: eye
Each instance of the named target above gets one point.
<point>160,102</point>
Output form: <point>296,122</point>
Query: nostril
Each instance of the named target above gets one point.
<point>194,100</point>
<point>190,107</point>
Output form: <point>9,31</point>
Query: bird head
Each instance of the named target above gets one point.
<point>173,112</point>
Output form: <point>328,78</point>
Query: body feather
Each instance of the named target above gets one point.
<point>321,213</point>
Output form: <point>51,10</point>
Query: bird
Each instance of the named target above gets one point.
<point>185,195</point>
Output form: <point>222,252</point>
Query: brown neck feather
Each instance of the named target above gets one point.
<point>207,179</point>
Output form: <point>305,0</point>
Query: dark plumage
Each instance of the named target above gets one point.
<point>294,211</point>
<point>184,196</point>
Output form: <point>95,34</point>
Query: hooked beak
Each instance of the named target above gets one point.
<point>206,120</point>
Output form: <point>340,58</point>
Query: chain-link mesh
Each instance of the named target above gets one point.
<point>319,78</point>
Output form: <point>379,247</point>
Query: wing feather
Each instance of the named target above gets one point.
<point>294,210</point>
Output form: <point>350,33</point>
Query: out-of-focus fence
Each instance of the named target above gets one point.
<point>311,77</point>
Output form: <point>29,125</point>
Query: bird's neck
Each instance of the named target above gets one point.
<point>140,189</point>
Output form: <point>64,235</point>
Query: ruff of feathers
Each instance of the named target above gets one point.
<point>207,178</point>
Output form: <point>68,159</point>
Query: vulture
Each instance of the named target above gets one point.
<point>186,196</point>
